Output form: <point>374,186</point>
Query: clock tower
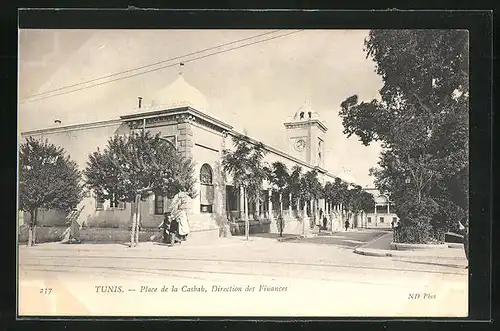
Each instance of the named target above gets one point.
<point>306,136</point>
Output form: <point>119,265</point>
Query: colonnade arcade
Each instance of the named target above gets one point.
<point>271,203</point>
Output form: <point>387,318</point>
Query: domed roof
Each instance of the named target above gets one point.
<point>180,94</point>
<point>305,112</point>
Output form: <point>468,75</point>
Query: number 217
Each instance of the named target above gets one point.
<point>45,290</point>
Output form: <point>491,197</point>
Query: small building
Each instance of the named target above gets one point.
<point>383,214</point>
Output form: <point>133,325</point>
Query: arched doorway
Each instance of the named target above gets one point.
<point>206,189</point>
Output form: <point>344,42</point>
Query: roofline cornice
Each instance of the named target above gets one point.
<point>290,124</point>
<point>283,154</point>
<point>72,127</point>
<point>178,111</point>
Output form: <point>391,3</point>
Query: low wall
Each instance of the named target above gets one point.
<point>43,233</point>
<point>415,247</point>
<point>455,238</point>
<point>46,234</point>
<point>238,228</point>
<point>292,226</point>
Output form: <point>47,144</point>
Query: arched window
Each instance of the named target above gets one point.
<point>206,174</point>
<point>206,189</point>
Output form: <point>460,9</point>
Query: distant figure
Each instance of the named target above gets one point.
<point>346,224</point>
<point>281,224</point>
<point>325,222</point>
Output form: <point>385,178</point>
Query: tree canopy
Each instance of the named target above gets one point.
<point>336,192</point>
<point>278,176</point>
<point>310,186</point>
<point>359,200</point>
<point>48,178</point>
<point>245,165</point>
<point>137,162</point>
<point>421,118</point>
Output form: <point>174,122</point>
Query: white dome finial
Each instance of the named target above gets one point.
<point>180,94</point>
<point>305,111</point>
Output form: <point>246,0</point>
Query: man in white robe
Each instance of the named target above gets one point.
<point>180,204</point>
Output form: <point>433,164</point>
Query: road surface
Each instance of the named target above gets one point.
<point>306,278</point>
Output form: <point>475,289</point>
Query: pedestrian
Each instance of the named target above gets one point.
<point>174,231</point>
<point>346,225</point>
<point>325,222</point>
<point>165,227</point>
<point>281,224</point>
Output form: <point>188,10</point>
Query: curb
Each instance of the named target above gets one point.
<point>365,253</point>
<point>290,238</point>
<point>385,253</point>
<point>416,247</point>
<point>455,245</point>
<point>361,251</point>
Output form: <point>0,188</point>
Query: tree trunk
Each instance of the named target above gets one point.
<point>134,221</point>
<point>30,235</point>
<point>466,242</point>
<point>132,231</point>
<point>247,222</point>
<point>281,204</point>
<point>32,228</point>
<point>138,223</point>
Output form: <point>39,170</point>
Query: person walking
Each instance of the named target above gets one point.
<point>346,224</point>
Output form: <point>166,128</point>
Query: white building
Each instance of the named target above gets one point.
<point>181,114</point>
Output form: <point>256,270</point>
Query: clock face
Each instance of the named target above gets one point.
<point>300,144</point>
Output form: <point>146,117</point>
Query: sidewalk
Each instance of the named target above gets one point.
<point>381,247</point>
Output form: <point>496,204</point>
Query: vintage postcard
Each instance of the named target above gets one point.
<point>290,173</point>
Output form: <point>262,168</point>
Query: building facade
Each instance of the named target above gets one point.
<point>383,214</point>
<point>180,114</point>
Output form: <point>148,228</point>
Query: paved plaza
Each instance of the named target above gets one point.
<point>322,277</point>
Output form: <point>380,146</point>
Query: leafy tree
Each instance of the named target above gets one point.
<point>245,165</point>
<point>280,179</point>
<point>359,201</point>
<point>421,121</point>
<point>48,179</point>
<point>295,186</point>
<point>311,188</point>
<point>132,167</point>
<point>333,191</point>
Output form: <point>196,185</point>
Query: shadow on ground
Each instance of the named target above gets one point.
<point>272,235</point>
<point>458,266</point>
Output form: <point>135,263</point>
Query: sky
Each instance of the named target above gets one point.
<point>254,88</point>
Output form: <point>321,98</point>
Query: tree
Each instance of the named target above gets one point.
<point>132,167</point>
<point>295,186</point>
<point>311,189</point>
<point>280,179</point>
<point>359,200</point>
<point>421,121</point>
<point>245,165</point>
<point>48,178</point>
